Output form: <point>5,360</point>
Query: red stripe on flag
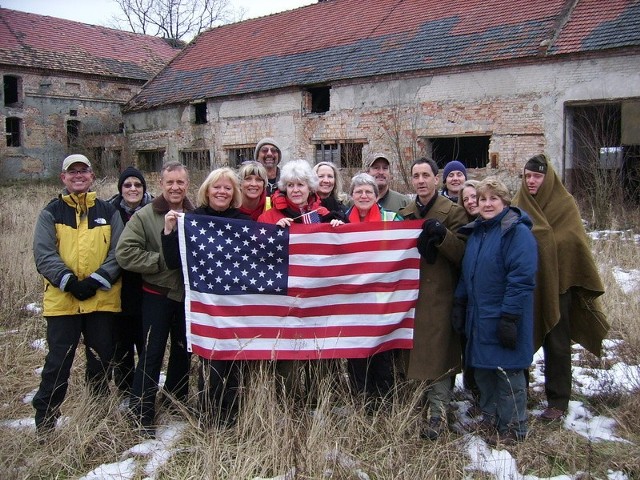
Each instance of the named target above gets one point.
<point>302,312</point>
<point>213,331</point>
<point>298,247</point>
<point>326,271</point>
<point>373,287</point>
<point>326,353</point>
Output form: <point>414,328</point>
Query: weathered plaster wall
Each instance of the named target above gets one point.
<point>44,106</point>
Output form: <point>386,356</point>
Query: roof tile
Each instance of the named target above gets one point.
<point>39,41</point>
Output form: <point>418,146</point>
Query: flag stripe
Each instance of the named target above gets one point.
<point>292,311</point>
<point>224,332</point>
<point>249,303</point>
<point>302,344</point>
<point>294,353</point>
<point>302,270</point>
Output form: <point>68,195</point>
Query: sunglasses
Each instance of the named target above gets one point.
<point>129,185</point>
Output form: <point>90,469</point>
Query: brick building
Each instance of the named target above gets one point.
<point>489,82</point>
<point>64,85</point>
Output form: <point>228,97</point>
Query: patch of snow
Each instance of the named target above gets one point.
<point>33,308</point>
<point>124,470</point>
<point>627,280</point>
<point>39,344</point>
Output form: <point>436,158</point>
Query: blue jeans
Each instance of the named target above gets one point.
<point>161,318</point>
<point>503,399</point>
<point>63,335</point>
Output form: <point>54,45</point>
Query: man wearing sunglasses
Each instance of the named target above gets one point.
<point>74,250</point>
<point>268,153</point>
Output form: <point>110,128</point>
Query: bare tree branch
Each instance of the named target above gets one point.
<point>175,20</point>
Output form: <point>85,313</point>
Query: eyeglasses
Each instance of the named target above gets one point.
<point>363,193</point>
<point>134,185</point>
<point>269,149</point>
<point>78,172</point>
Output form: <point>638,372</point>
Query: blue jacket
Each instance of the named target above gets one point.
<point>498,277</point>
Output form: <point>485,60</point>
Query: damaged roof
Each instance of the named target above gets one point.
<point>337,40</point>
<point>38,41</point>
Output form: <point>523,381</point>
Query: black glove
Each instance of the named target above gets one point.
<point>427,247</point>
<point>434,229</point>
<point>82,289</point>
<point>458,315</point>
<point>508,331</point>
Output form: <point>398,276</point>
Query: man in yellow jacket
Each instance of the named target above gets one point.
<point>74,249</point>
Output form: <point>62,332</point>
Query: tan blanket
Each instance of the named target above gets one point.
<point>565,262</point>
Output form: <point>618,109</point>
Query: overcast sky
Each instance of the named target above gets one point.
<point>99,12</point>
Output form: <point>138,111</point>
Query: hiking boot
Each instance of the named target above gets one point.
<point>433,429</point>
<point>45,425</point>
<point>482,427</point>
<point>507,439</point>
<point>551,414</point>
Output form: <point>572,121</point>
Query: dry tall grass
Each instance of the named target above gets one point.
<point>272,436</point>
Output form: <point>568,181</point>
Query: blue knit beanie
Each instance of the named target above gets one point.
<point>452,166</point>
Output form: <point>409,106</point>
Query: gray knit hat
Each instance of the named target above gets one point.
<point>266,141</point>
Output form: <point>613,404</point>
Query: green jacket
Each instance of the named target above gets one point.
<point>140,248</point>
<point>394,201</point>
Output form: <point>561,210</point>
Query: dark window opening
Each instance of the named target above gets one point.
<point>13,131</point>
<point>196,160</point>
<point>200,113</point>
<point>605,168</point>
<point>107,162</point>
<point>320,99</point>
<point>73,113</point>
<point>73,133</point>
<point>11,90</point>
<point>150,160</point>
<point>238,155</point>
<point>473,152</point>
<point>343,154</point>
<point>596,136</point>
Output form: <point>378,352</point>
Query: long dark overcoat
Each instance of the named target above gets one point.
<point>436,348</point>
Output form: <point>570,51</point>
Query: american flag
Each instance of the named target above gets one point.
<point>256,291</point>
<point>311,217</point>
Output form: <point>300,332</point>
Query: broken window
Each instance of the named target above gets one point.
<point>318,99</point>
<point>12,86</point>
<point>150,160</point>
<point>238,155</point>
<point>200,112</point>
<point>343,154</point>
<point>73,133</point>
<point>196,160</point>
<point>472,151</point>
<point>13,125</point>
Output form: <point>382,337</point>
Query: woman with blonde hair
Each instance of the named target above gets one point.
<point>468,198</point>
<point>330,187</point>
<point>253,182</point>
